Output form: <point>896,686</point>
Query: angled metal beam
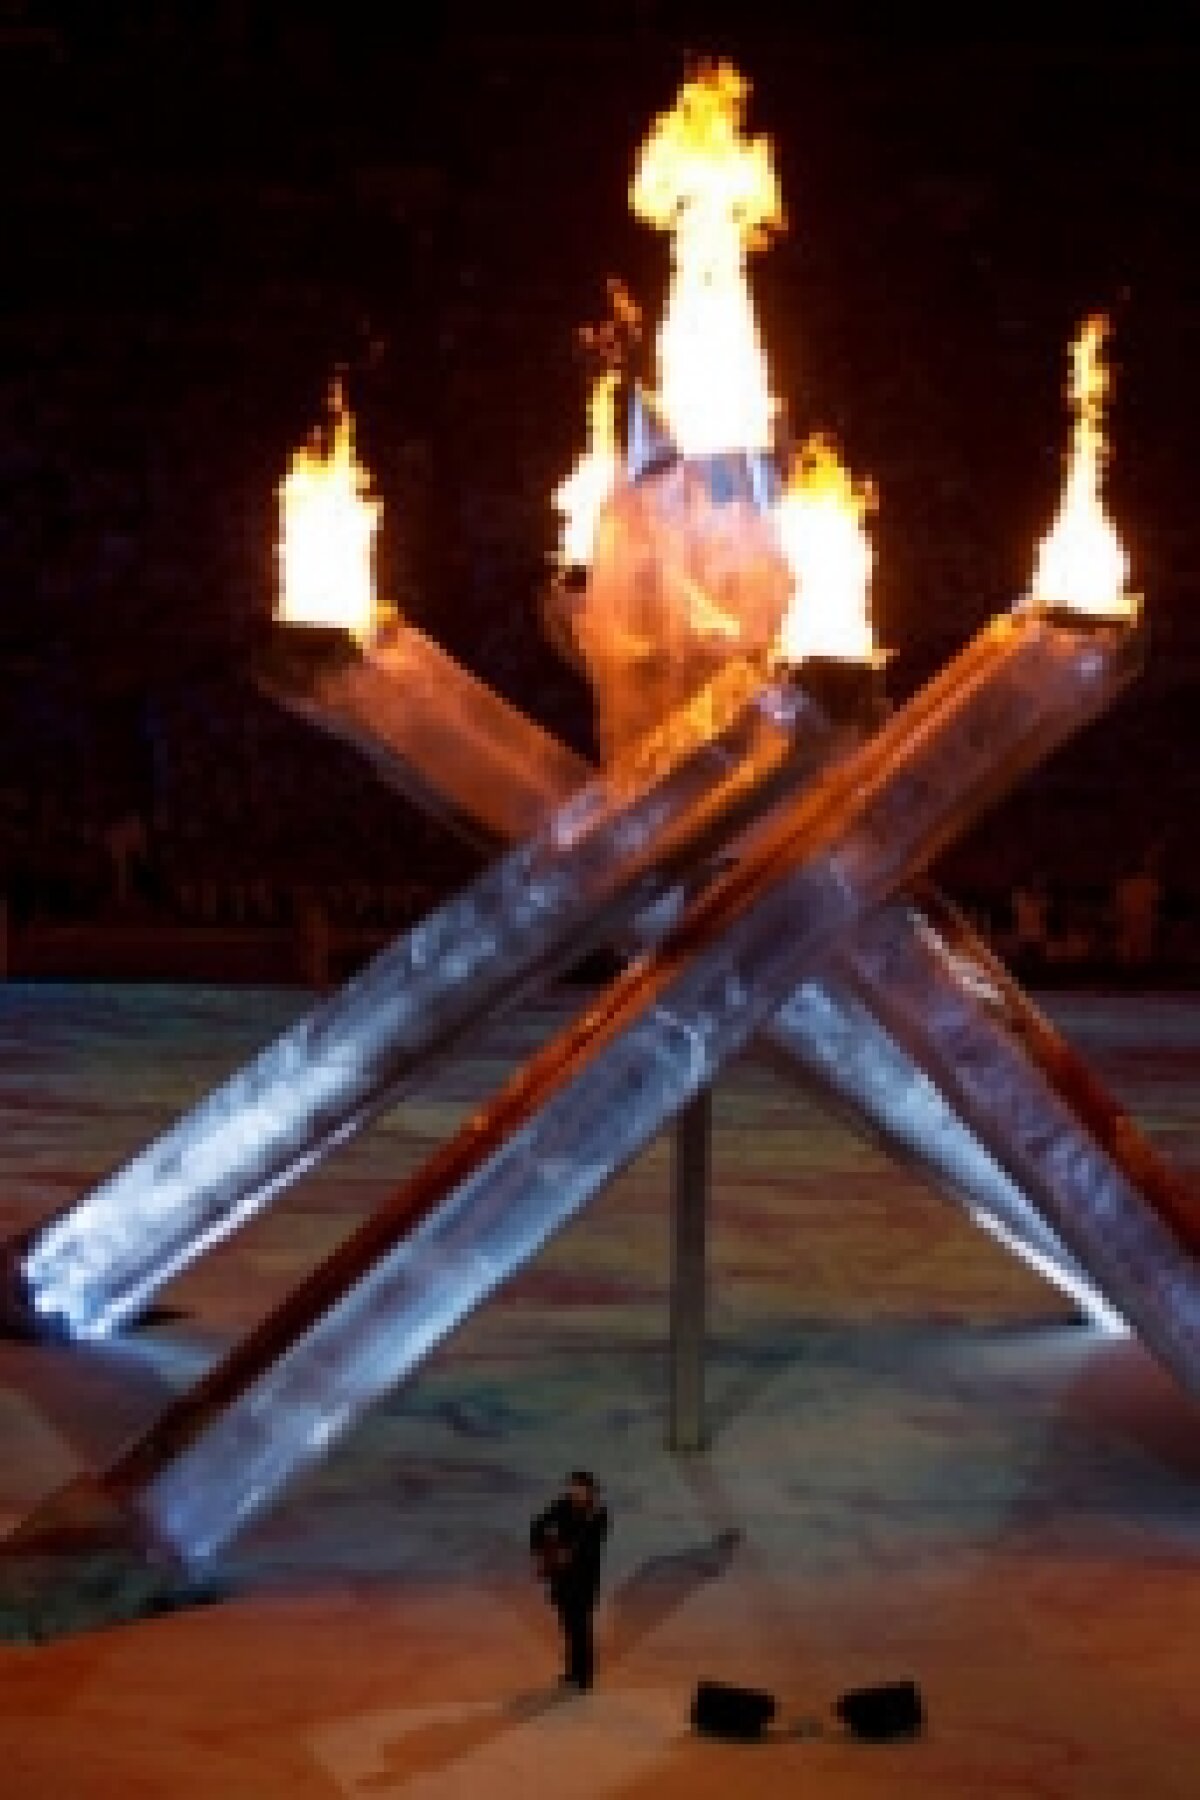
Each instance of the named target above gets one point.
<point>827,1032</point>
<point>589,1101</point>
<point>605,858</point>
<point>105,1256</point>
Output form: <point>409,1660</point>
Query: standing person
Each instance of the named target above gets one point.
<point>566,1541</point>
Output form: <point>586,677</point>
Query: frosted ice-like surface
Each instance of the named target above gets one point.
<point>772,922</point>
<point>826,1027</point>
<point>101,1261</point>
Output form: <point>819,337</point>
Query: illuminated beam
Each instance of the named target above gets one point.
<point>1122,1212</point>
<point>585,1104</point>
<point>883,1088</point>
<point>106,1256</point>
<point>431,731</point>
<point>827,1032</point>
<point>605,856</point>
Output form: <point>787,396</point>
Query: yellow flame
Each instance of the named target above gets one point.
<point>715,190</point>
<point>820,518</point>
<point>580,498</point>
<point>1081,561</point>
<point>328,523</point>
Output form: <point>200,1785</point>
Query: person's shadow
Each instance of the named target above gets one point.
<point>662,1584</point>
<point>440,1744</point>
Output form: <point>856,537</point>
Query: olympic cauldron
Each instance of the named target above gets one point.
<point>758,855</point>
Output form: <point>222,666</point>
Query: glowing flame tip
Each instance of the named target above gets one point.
<point>1081,562</point>
<point>328,524</point>
<point>821,521</point>
<point>714,189</point>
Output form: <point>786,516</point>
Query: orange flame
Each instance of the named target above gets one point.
<point>1081,561</point>
<point>580,498</point>
<point>716,192</point>
<point>820,518</point>
<point>328,523</point>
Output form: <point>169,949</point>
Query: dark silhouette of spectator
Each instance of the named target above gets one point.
<point>566,1542</point>
<point>127,846</point>
<point>1137,898</point>
<point>1030,908</point>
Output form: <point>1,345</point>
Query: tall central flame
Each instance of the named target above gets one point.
<point>683,576</point>
<point>820,518</point>
<point>329,520</point>
<point>715,190</point>
<point>1081,561</point>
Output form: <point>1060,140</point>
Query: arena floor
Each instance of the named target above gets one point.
<point>919,1466</point>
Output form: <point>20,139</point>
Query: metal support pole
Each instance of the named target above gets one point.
<point>691,1165</point>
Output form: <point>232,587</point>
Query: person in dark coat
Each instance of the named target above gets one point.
<point>566,1542</point>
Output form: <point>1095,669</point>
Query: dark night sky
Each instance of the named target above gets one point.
<point>203,218</point>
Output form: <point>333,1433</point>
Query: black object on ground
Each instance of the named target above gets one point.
<point>893,1709</point>
<point>719,1710</point>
